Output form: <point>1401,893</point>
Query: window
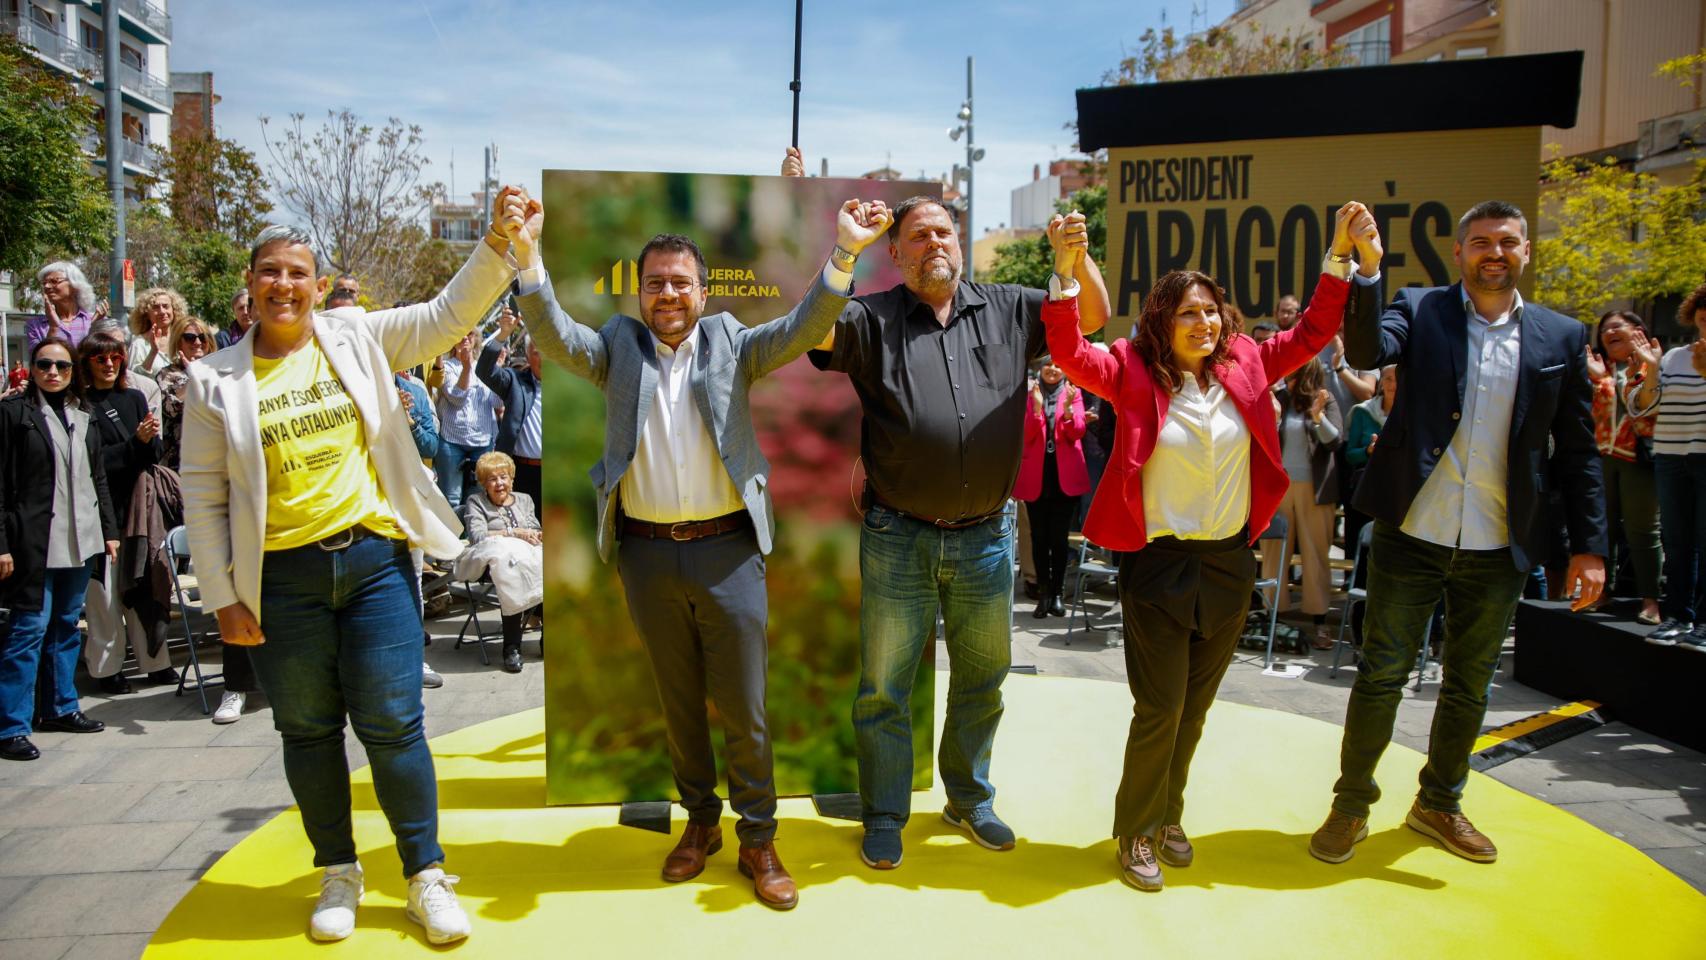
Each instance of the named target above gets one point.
<point>1470,53</point>
<point>1371,43</point>
<point>131,57</point>
<point>90,35</point>
<point>42,16</point>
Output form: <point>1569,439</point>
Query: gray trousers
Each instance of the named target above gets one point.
<point>701,611</point>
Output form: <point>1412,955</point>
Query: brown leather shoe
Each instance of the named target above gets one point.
<point>687,860</point>
<point>1336,841</point>
<point>770,880</point>
<point>1453,831</point>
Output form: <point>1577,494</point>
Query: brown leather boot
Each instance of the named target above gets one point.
<point>687,860</point>
<point>770,880</point>
<point>1453,831</point>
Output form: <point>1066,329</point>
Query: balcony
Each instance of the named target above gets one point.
<point>140,89</point>
<point>138,18</point>
<point>136,157</point>
<point>55,50</point>
<point>1366,53</point>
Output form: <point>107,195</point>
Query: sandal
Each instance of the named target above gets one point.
<point>1325,638</point>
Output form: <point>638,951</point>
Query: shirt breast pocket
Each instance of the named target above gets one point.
<point>994,366</point>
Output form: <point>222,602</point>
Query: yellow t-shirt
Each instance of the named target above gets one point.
<point>320,478</point>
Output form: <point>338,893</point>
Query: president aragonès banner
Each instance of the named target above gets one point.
<point>1256,214</point>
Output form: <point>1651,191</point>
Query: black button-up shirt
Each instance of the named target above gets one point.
<point>944,405</point>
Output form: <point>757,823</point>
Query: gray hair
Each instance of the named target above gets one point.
<point>79,283</point>
<point>279,233</point>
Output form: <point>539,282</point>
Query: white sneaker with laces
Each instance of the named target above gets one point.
<point>230,708</point>
<point>432,904</point>
<point>340,894</point>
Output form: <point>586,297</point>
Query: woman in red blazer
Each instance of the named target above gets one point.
<point>1052,476</point>
<point>1195,476</point>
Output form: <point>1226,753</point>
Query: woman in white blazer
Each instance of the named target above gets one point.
<point>302,496</point>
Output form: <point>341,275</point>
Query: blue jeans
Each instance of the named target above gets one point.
<point>910,569</point>
<point>448,465</point>
<point>1406,579</point>
<point>1681,482</point>
<point>343,638</point>
<point>43,641</point>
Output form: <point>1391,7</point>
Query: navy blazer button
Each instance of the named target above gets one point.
<point>1436,451</point>
<point>1456,416</point>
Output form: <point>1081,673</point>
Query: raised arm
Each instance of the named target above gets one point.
<point>574,346</point>
<point>416,333</point>
<point>1092,369</point>
<point>1354,230</point>
<point>1069,238</point>
<point>766,347</point>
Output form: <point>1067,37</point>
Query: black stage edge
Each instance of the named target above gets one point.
<point>839,806</point>
<point>650,815</point>
<point>1399,98</point>
<point>1608,660</point>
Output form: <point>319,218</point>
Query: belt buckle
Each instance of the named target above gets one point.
<point>326,544</point>
<point>676,533</point>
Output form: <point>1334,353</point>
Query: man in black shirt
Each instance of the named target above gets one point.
<point>939,367</point>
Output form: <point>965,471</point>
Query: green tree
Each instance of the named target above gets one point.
<point>50,200</point>
<point>1028,261</point>
<point>216,185</point>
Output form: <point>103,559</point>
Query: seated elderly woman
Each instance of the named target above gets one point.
<point>504,539</point>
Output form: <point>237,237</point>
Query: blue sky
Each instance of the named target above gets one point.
<point>650,85</point>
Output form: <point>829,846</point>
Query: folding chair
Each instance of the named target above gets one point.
<point>1354,595</point>
<point>1089,566</point>
<point>187,591</point>
<point>1269,587</point>
<point>477,593</point>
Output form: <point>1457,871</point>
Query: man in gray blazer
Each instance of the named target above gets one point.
<point>682,502</point>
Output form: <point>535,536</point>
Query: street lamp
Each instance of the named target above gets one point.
<point>973,154</point>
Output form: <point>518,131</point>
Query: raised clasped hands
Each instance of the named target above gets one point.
<point>521,219</point>
<point>1354,231</point>
<point>793,165</point>
<point>1069,236</point>
<point>860,222</point>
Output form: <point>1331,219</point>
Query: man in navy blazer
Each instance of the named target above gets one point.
<point>684,507</point>
<point>1493,407</point>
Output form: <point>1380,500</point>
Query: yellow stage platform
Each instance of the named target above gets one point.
<point>570,882</point>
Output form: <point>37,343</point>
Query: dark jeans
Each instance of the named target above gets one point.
<point>1631,500</point>
<point>238,668</point>
<point>1051,518</point>
<point>38,661</point>
<point>701,611</point>
<point>1407,578</point>
<point>343,639</point>
<point>454,464</point>
<point>910,570</point>
<point>1681,481</point>
<point>1184,603</point>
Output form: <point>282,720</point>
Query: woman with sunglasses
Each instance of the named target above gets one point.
<point>130,443</point>
<point>189,341</point>
<point>58,521</point>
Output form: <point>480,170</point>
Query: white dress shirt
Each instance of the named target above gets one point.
<point>1196,483</point>
<point>677,473</point>
<point>1462,503</point>
<point>530,439</point>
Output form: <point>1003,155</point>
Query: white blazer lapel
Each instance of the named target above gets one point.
<point>242,414</point>
<point>342,355</point>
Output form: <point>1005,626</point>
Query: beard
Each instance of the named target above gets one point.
<point>933,277</point>
<point>1493,284</point>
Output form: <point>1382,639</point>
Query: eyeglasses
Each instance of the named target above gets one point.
<point>106,358</point>
<point>656,285</point>
<point>45,366</point>
<point>192,337</point>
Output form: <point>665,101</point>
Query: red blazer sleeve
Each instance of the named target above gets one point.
<point>1094,370</point>
<point>1290,349</point>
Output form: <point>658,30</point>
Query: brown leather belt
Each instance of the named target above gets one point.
<point>944,524</point>
<point>529,461</point>
<point>688,530</point>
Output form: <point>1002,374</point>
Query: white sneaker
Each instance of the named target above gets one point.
<point>340,894</point>
<point>230,708</point>
<point>432,904</point>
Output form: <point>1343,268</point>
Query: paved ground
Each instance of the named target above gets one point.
<point>103,835</point>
